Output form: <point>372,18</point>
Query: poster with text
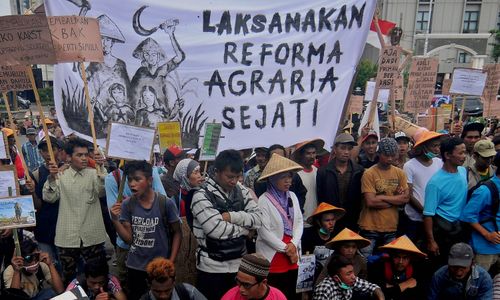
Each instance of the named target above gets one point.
<point>130,142</point>
<point>9,186</point>
<point>210,142</point>
<point>491,101</point>
<point>421,84</point>
<point>4,153</point>
<point>388,67</point>
<point>169,134</point>
<point>469,82</point>
<point>14,78</point>
<point>280,70</point>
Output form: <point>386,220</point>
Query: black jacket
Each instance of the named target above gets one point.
<point>328,191</point>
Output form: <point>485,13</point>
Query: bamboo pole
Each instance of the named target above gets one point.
<point>18,142</point>
<point>89,105</point>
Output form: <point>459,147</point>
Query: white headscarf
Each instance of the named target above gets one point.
<point>183,170</point>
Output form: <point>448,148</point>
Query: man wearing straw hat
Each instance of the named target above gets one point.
<point>399,275</point>
<point>419,171</point>
<point>305,155</point>
<point>347,244</point>
<point>339,182</point>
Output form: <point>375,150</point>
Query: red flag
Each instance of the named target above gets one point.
<point>385,26</point>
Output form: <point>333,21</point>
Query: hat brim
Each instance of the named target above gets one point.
<point>346,143</point>
<point>289,169</point>
<point>403,138</point>
<point>338,212</point>
<point>423,141</point>
<point>407,251</point>
<point>318,144</point>
<point>488,153</point>
<point>459,262</point>
<point>359,243</point>
<point>369,135</point>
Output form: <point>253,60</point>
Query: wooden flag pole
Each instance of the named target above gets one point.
<point>29,71</point>
<point>453,104</point>
<point>17,245</point>
<point>18,142</point>
<point>393,109</point>
<point>119,198</point>
<point>373,108</point>
<point>350,123</point>
<point>89,105</point>
<point>462,110</point>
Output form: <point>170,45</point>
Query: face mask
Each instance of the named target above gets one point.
<point>32,268</point>
<point>345,286</point>
<point>430,155</point>
<point>324,231</point>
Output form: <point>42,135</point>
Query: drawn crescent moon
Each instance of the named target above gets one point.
<point>136,23</point>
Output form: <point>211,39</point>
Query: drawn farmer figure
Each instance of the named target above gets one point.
<point>118,109</point>
<point>18,211</point>
<point>155,69</point>
<point>101,76</point>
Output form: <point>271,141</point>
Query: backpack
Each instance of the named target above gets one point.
<point>495,200</point>
<point>182,291</point>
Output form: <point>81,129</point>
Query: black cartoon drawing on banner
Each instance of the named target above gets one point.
<point>155,94</point>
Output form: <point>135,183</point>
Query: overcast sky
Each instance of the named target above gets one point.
<point>5,8</point>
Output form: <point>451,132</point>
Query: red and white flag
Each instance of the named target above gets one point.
<point>385,29</point>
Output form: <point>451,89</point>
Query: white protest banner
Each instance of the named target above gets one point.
<point>421,84</point>
<point>364,121</point>
<point>468,81</point>
<point>383,94</point>
<point>17,212</point>
<point>130,142</point>
<point>4,154</point>
<point>276,70</point>
<point>305,278</point>
<point>8,181</point>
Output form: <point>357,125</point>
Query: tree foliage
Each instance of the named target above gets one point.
<point>366,70</point>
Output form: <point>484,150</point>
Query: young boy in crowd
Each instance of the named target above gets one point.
<point>149,222</point>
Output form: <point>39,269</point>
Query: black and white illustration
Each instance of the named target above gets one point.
<point>153,94</point>
<point>278,70</point>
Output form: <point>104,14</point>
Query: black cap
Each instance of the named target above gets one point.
<point>475,126</point>
<point>53,140</point>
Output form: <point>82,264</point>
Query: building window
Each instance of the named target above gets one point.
<point>498,23</point>
<point>464,58</point>
<point>471,20</point>
<point>422,21</point>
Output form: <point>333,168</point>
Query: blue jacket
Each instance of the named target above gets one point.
<point>479,286</point>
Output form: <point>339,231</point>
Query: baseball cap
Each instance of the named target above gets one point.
<point>173,152</point>
<point>401,135</point>
<point>345,138</point>
<point>53,141</point>
<point>31,131</point>
<point>485,148</point>
<point>461,255</point>
<point>370,133</point>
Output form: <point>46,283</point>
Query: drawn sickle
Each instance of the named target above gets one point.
<point>136,23</point>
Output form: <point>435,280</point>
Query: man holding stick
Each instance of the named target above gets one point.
<point>80,228</point>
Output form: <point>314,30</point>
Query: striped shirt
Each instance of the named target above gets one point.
<point>208,221</point>
<point>79,222</point>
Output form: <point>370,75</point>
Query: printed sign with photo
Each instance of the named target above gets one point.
<point>17,212</point>
<point>8,182</point>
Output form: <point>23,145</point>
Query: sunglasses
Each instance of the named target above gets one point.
<point>245,285</point>
<point>31,258</point>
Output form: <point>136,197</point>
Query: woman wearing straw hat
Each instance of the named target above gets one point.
<point>347,244</point>
<point>397,274</point>
<point>282,225</point>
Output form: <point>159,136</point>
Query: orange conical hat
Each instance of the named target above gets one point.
<point>347,235</point>
<point>403,243</point>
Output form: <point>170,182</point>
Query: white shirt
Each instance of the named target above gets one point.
<point>309,181</point>
<point>418,175</point>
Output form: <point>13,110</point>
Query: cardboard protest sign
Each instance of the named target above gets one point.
<point>130,142</point>
<point>421,84</point>
<point>25,40</point>
<point>244,66</point>
<point>388,67</point>
<point>4,151</point>
<point>305,278</point>
<point>407,127</point>
<point>14,78</point>
<point>491,103</point>
<point>170,134</point>
<point>468,82</point>
<point>355,104</point>
<point>398,90</point>
<point>445,90</point>
<point>383,94</point>
<point>8,181</point>
<point>210,141</point>
<point>17,212</point>
<point>76,38</point>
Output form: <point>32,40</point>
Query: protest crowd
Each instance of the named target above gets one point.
<point>390,211</point>
<point>385,217</point>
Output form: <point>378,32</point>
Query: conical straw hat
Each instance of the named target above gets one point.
<point>347,235</point>
<point>317,143</point>
<point>278,164</point>
<point>325,208</point>
<point>426,136</point>
<point>403,243</point>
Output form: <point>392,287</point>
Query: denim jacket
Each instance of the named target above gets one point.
<point>479,285</point>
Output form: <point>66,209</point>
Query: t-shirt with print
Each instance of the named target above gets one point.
<point>150,238</point>
<point>418,176</point>
<point>381,182</point>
